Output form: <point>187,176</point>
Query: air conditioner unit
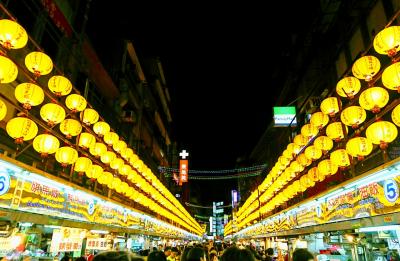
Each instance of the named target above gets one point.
<point>128,116</point>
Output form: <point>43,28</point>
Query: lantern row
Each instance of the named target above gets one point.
<point>284,181</point>
<point>121,159</point>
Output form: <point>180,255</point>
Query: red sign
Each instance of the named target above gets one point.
<point>183,171</point>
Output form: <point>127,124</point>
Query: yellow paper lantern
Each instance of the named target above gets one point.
<point>105,177</point>
<point>120,146</point>
<point>110,138</point>
<point>359,147</point>
<point>125,169</point>
<point>101,128</point>
<point>353,116</point>
<point>319,119</point>
<point>98,149</point>
<point>89,116</point>
<point>391,77</point>
<point>323,143</point>
<point>300,140</point>
<point>309,131</point>
<point>327,168</point>
<point>348,87</point>
<point>336,131</point>
<point>303,160</point>
<point>29,95</point>
<point>340,158</point>
<point>12,35</point>
<point>314,175</point>
<point>293,148</point>
<point>66,156</point>
<point>373,99</point>
<point>59,85</point>
<point>94,172</point>
<point>107,157</point>
<point>70,128</point>
<point>117,163</point>
<point>116,185</point>
<point>330,106</point>
<point>296,167</point>
<point>313,153</point>
<point>396,115</point>
<point>82,164</point>
<point>75,103</point>
<point>38,63</point>
<point>387,41</point>
<point>127,154</point>
<point>3,110</point>
<point>366,67</point>
<point>45,144</point>
<point>8,70</point>
<point>86,140</point>
<point>287,154</point>
<point>52,113</point>
<point>21,129</point>
<point>283,161</point>
<point>381,133</point>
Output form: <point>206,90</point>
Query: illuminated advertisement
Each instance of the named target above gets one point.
<point>26,191</point>
<point>369,196</point>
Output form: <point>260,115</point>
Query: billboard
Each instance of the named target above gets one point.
<point>285,116</point>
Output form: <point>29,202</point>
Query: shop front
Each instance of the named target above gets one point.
<point>340,222</point>
<point>43,216</point>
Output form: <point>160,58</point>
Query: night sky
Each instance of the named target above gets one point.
<point>224,66</point>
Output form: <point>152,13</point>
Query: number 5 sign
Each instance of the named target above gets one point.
<point>391,190</point>
<point>4,183</point>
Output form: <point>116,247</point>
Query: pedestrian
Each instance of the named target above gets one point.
<point>237,254</point>
<point>302,254</point>
<point>157,256</point>
<point>116,256</point>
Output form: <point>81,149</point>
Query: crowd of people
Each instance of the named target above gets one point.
<point>199,252</point>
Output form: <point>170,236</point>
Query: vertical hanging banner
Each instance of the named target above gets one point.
<point>183,167</point>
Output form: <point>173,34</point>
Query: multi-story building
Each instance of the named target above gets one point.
<point>133,100</point>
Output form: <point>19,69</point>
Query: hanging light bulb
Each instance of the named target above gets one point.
<point>21,129</point>
<point>45,144</point>
<point>59,85</point>
<point>75,103</point>
<point>12,35</point>
<point>52,113</point>
<point>387,41</point>
<point>66,156</point>
<point>38,63</point>
<point>330,106</point>
<point>353,116</point>
<point>89,116</point>
<point>348,87</point>
<point>381,133</point>
<point>29,95</point>
<point>366,67</point>
<point>101,128</point>
<point>373,99</point>
<point>70,128</point>
<point>3,110</point>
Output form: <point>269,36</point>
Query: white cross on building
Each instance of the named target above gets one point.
<point>184,154</point>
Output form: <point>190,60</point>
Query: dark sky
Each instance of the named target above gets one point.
<point>223,64</point>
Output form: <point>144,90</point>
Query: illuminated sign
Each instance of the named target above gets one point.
<point>97,244</point>
<point>183,171</point>
<point>285,116</point>
<point>234,194</point>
